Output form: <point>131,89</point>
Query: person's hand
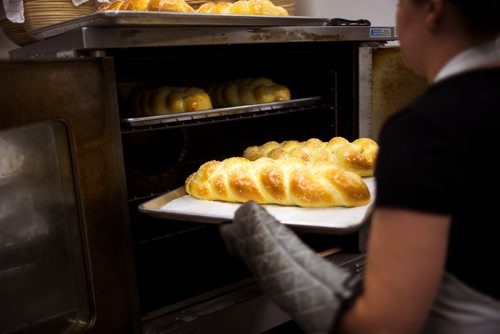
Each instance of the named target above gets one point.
<point>307,287</point>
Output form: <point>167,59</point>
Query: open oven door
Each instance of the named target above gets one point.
<point>65,256</point>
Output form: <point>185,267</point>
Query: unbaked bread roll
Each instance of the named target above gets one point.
<point>147,101</point>
<point>238,92</point>
<point>180,6</point>
<point>283,182</point>
<point>358,156</point>
<point>243,7</point>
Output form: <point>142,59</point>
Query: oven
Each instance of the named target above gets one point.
<point>76,252</point>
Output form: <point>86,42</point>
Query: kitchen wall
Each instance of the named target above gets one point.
<point>379,12</point>
<point>393,86</point>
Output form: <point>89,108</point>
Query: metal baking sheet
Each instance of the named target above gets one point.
<point>147,19</point>
<point>179,117</point>
<point>337,220</point>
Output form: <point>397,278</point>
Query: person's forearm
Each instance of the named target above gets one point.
<point>404,266</point>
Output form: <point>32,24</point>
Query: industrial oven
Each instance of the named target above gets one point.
<point>76,252</point>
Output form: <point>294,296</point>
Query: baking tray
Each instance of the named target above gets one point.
<point>196,115</point>
<point>336,220</point>
<point>148,19</point>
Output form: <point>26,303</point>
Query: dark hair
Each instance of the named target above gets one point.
<point>480,16</point>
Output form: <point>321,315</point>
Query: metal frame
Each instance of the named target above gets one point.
<point>85,40</point>
<point>365,72</point>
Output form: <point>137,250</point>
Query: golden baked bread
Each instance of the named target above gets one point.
<point>243,7</point>
<point>358,156</point>
<point>283,182</point>
<point>180,6</point>
<point>149,101</point>
<point>215,8</point>
<point>237,92</point>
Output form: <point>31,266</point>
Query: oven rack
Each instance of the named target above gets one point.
<point>218,115</point>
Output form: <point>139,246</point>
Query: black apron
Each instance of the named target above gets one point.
<point>458,309</point>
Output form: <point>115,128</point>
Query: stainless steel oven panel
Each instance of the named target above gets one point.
<point>93,40</point>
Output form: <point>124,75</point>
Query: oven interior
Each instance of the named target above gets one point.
<point>179,260</point>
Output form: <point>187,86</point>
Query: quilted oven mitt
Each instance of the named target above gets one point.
<point>311,290</point>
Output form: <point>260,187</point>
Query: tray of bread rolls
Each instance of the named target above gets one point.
<point>113,18</point>
<point>179,205</point>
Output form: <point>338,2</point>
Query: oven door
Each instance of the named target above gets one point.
<point>65,255</point>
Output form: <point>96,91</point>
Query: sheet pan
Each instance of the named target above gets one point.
<point>148,19</point>
<point>337,220</point>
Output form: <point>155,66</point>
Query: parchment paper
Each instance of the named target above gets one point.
<point>338,218</point>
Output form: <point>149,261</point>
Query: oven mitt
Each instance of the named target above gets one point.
<point>310,289</point>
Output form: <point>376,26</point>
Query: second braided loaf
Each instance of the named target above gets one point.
<point>358,156</point>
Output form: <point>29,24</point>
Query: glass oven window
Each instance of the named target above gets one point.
<point>43,284</point>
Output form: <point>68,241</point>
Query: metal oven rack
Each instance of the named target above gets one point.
<point>217,115</point>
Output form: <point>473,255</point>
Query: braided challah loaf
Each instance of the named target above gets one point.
<point>243,7</point>
<point>238,92</point>
<point>358,156</point>
<point>283,182</point>
<point>180,6</point>
<point>147,101</point>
